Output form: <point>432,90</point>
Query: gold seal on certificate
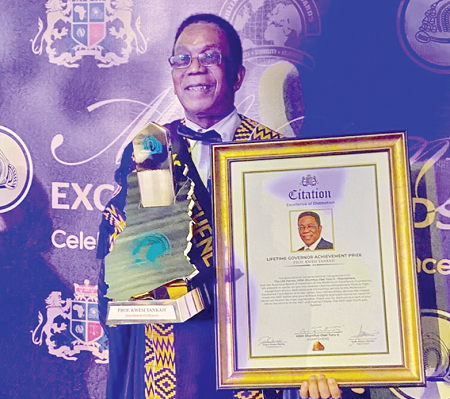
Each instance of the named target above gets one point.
<point>315,237</point>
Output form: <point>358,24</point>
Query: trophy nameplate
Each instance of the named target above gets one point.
<point>156,311</point>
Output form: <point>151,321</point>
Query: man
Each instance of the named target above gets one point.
<point>310,229</point>
<point>207,71</point>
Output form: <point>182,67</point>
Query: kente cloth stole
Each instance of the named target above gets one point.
<point>159,361</point>
<point>249,394</point>
<point>160,368</point>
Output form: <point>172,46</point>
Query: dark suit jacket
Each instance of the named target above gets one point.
<point>323,244</point>
<point>192,348</point>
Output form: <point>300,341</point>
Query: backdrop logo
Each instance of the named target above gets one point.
<point>99,28</point>
<point>85,332</point>
<point>271,30</point>
<point>424,32</point>
<point>435,333</point>
<point>16,170</point>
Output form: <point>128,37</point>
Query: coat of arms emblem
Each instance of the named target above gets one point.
<point>103,29</point>
<point>309,180</point>
<point>72,325</point>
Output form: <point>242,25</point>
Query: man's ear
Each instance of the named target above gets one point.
<point>239,78</point>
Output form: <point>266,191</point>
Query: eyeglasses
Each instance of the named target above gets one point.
<point>310,227</point>
<point>206,59</point>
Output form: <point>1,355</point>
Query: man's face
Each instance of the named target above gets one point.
<point>206,93</point>
<point>309,230</point>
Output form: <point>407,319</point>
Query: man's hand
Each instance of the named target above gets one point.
<point>320,388</point>
<point>323,388</point>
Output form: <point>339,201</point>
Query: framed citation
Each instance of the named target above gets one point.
<point>315,262</point>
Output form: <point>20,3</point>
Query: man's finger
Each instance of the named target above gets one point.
<point>322,383</point>
<point>333,386</point>
<point>313,388</point>
<point>304,390</point>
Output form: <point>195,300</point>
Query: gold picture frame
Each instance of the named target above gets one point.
<point>349,310</point>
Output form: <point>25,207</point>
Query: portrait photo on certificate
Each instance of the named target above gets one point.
<point>309,227</point>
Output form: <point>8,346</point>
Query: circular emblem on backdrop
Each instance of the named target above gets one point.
<point>273,30</point>
<point>435,340</point>
<point>424,31</point>
<point>16,170</point>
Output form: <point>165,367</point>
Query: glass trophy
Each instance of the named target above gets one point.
<point>147,271</point>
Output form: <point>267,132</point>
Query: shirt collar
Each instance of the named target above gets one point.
<point>225,127</point>
<point>314,245</point>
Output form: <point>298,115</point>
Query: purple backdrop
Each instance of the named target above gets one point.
<point>78,78</point>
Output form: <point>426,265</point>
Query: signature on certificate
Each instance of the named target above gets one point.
<point>267,341</point>
<point>364,337</point>
<point>365,334</point>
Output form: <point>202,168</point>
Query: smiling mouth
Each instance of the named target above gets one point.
<point>199,88</point>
